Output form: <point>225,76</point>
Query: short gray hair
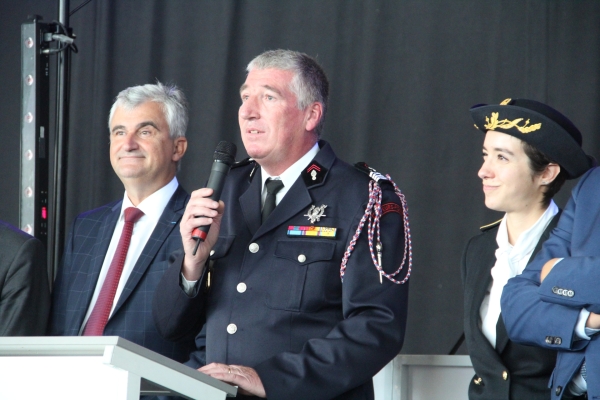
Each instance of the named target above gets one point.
<point>170,97</point>
<point>309,83</point>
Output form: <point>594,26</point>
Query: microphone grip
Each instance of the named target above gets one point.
<point>216,181</point>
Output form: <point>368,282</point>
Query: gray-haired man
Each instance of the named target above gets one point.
<point>115,255</point>
<point>279,321</point>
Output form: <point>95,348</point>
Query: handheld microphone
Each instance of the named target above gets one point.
<point>224,158</point>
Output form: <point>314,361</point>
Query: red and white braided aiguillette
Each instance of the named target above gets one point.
<point>372,216</point>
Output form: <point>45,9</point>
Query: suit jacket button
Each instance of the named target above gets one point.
<point>477,381</point>
<point>253,247</point>
<point>549,340</point>
<point>504,375</point>
<point>559,292</point>
<point>570,293</point>
<point>558,390</point>
<point>555,290</point>
<point>241,287</point>
<point>231,329</point>
<point>557,341</point>
<point>301,258</point>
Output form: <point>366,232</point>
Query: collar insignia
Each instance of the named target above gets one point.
<point>314,174</point>
<point>315,213</point>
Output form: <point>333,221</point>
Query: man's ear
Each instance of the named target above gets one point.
<point>179,148</point>
<point>313,116</point>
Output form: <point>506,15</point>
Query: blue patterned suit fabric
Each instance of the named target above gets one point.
<point>131,319</point>
<point>545,315</point>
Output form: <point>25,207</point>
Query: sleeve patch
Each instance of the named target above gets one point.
<point>391,207</point>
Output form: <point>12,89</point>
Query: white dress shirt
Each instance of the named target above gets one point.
<point>153,207</point>
<point>510,262</point>
<point>289,176</point>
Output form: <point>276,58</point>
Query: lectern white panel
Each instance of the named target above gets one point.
<point>96,368</point>
<point>424,377</point>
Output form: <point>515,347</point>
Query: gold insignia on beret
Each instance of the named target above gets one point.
<point>493,122</point>
<point>505,102</point>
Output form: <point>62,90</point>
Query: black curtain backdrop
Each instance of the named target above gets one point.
<point>403,76</point>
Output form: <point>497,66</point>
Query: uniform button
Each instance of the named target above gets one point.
<point>559,292</point>
<point>504,375</point>
<point>477,381</point>
<point>212,252</point>
<point>301,258</point>
<point>241,287</point>
<point>549,340</point>
<point>557,341</point>
<point>570,293</point>
<point>555,290</point>
<point>231,329</point>
<point>253,247</point>
<point>558,390</point>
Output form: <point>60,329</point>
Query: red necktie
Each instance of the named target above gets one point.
<point>99,316</point>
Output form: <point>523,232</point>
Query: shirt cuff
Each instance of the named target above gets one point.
<point>190,287</point>
<point>578,385</point>
<point>580,330</point>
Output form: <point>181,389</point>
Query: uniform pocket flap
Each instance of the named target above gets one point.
<point>305,251</point>
<point>222,247</point>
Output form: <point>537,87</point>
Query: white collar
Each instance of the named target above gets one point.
<point>289,176</point>
<point>528,239</point>
<point>153,205</point>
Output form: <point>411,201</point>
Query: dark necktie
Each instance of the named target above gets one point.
<point>273,186</point>
<point>99,316</point>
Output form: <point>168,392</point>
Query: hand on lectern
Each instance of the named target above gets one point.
<point>245,378</point>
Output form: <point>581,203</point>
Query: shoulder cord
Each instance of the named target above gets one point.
<point>373,215</point>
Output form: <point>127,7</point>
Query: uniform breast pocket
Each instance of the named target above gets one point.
<point>303,271</point>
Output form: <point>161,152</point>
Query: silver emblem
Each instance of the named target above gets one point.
<point>313,174</point>
<point>315,213</point>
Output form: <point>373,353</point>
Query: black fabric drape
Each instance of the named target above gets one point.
<point>403,76</point>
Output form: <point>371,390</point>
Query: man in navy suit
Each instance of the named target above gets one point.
<point>280,322</point>
<point>147,141</point>
<point>555,303</point>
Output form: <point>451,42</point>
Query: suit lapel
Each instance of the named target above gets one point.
<point>250,203</point>
<point>165,225</point>
<point>483,278</point>
<point>105,233</point>
<point>480,283</point>
<point>296,200</point>
<point>545,235</point>
<point>501,335</point>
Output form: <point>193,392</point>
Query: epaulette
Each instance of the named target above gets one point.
<point>490,226</point>
<point>243,162</point>
<point>373,174</point>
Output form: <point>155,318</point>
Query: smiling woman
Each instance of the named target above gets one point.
<point>529,151</point>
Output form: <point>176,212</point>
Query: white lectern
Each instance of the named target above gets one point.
<point>424,377</point>
<point>103,367</point>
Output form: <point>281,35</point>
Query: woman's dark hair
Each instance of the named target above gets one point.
<point>538,162</point>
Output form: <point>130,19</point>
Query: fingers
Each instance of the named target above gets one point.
<point>245,378</point>
<point>200,211</point>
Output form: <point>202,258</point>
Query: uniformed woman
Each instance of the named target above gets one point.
<point>529,151</point>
